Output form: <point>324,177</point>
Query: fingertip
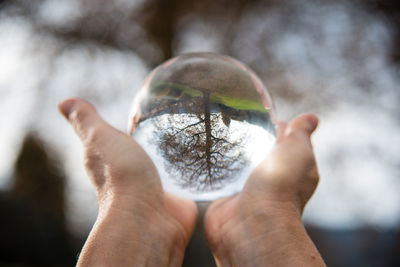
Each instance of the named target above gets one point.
<point>81,115</point>
<point>312,120</point>
<point>67,106</point>
<point>307,122</point>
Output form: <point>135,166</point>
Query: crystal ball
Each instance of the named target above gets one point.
<point>206,120</point>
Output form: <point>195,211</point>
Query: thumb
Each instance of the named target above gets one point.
<point>301,127</point>
<point>83,117</point>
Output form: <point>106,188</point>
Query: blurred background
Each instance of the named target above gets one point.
<point>339,59</point>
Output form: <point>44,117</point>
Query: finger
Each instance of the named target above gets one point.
<point>301,127</point>
<point>84,118</point>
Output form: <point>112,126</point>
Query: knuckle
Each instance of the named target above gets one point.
<point>88,162</point>
<point>81,113</point>
<point>314,176</point>
<point>91,159</point>
<point>94,135</point>
<point>309,157</point>
<point>294,134</point>
<point>314,179</point>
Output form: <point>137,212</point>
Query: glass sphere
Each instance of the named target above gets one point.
<point>206,120</point>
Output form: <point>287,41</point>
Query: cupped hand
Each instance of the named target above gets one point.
<point>261,226</point>
<point>134,211</point>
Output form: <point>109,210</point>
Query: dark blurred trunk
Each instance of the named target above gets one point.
<point>198,254</point>
<point>207,122</point>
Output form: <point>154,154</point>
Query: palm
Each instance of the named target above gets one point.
<point>179,211</point>
<point>147,184</point>
<point>130,195</point>
<point>183,211</point>
<point>281,184</point>
<point>119,167</point>
<point>221,216</point>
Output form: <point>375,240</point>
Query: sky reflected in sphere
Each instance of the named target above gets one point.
<point>206,120</point>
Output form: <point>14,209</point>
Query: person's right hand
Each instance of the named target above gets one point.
<point>261,226</point>
<point>138,224</point>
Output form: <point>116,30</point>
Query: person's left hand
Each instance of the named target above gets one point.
<point>138,223</point>
<point>262,225</point>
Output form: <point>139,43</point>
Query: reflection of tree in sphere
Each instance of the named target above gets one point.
<point>205,120</point>
<point>198,149</point>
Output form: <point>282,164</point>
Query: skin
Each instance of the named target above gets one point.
<point>139,224</point>
<point>262,226</point>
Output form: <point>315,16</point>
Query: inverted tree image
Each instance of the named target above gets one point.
<point>190,103</point>
<point>197,146</point>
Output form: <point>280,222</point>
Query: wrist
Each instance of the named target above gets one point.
<point>271,235</point>
<point>132,234</point>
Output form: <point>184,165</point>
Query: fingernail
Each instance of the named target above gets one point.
<point>66,106</point>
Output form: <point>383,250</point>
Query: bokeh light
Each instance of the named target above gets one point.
<point>338,59</point>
